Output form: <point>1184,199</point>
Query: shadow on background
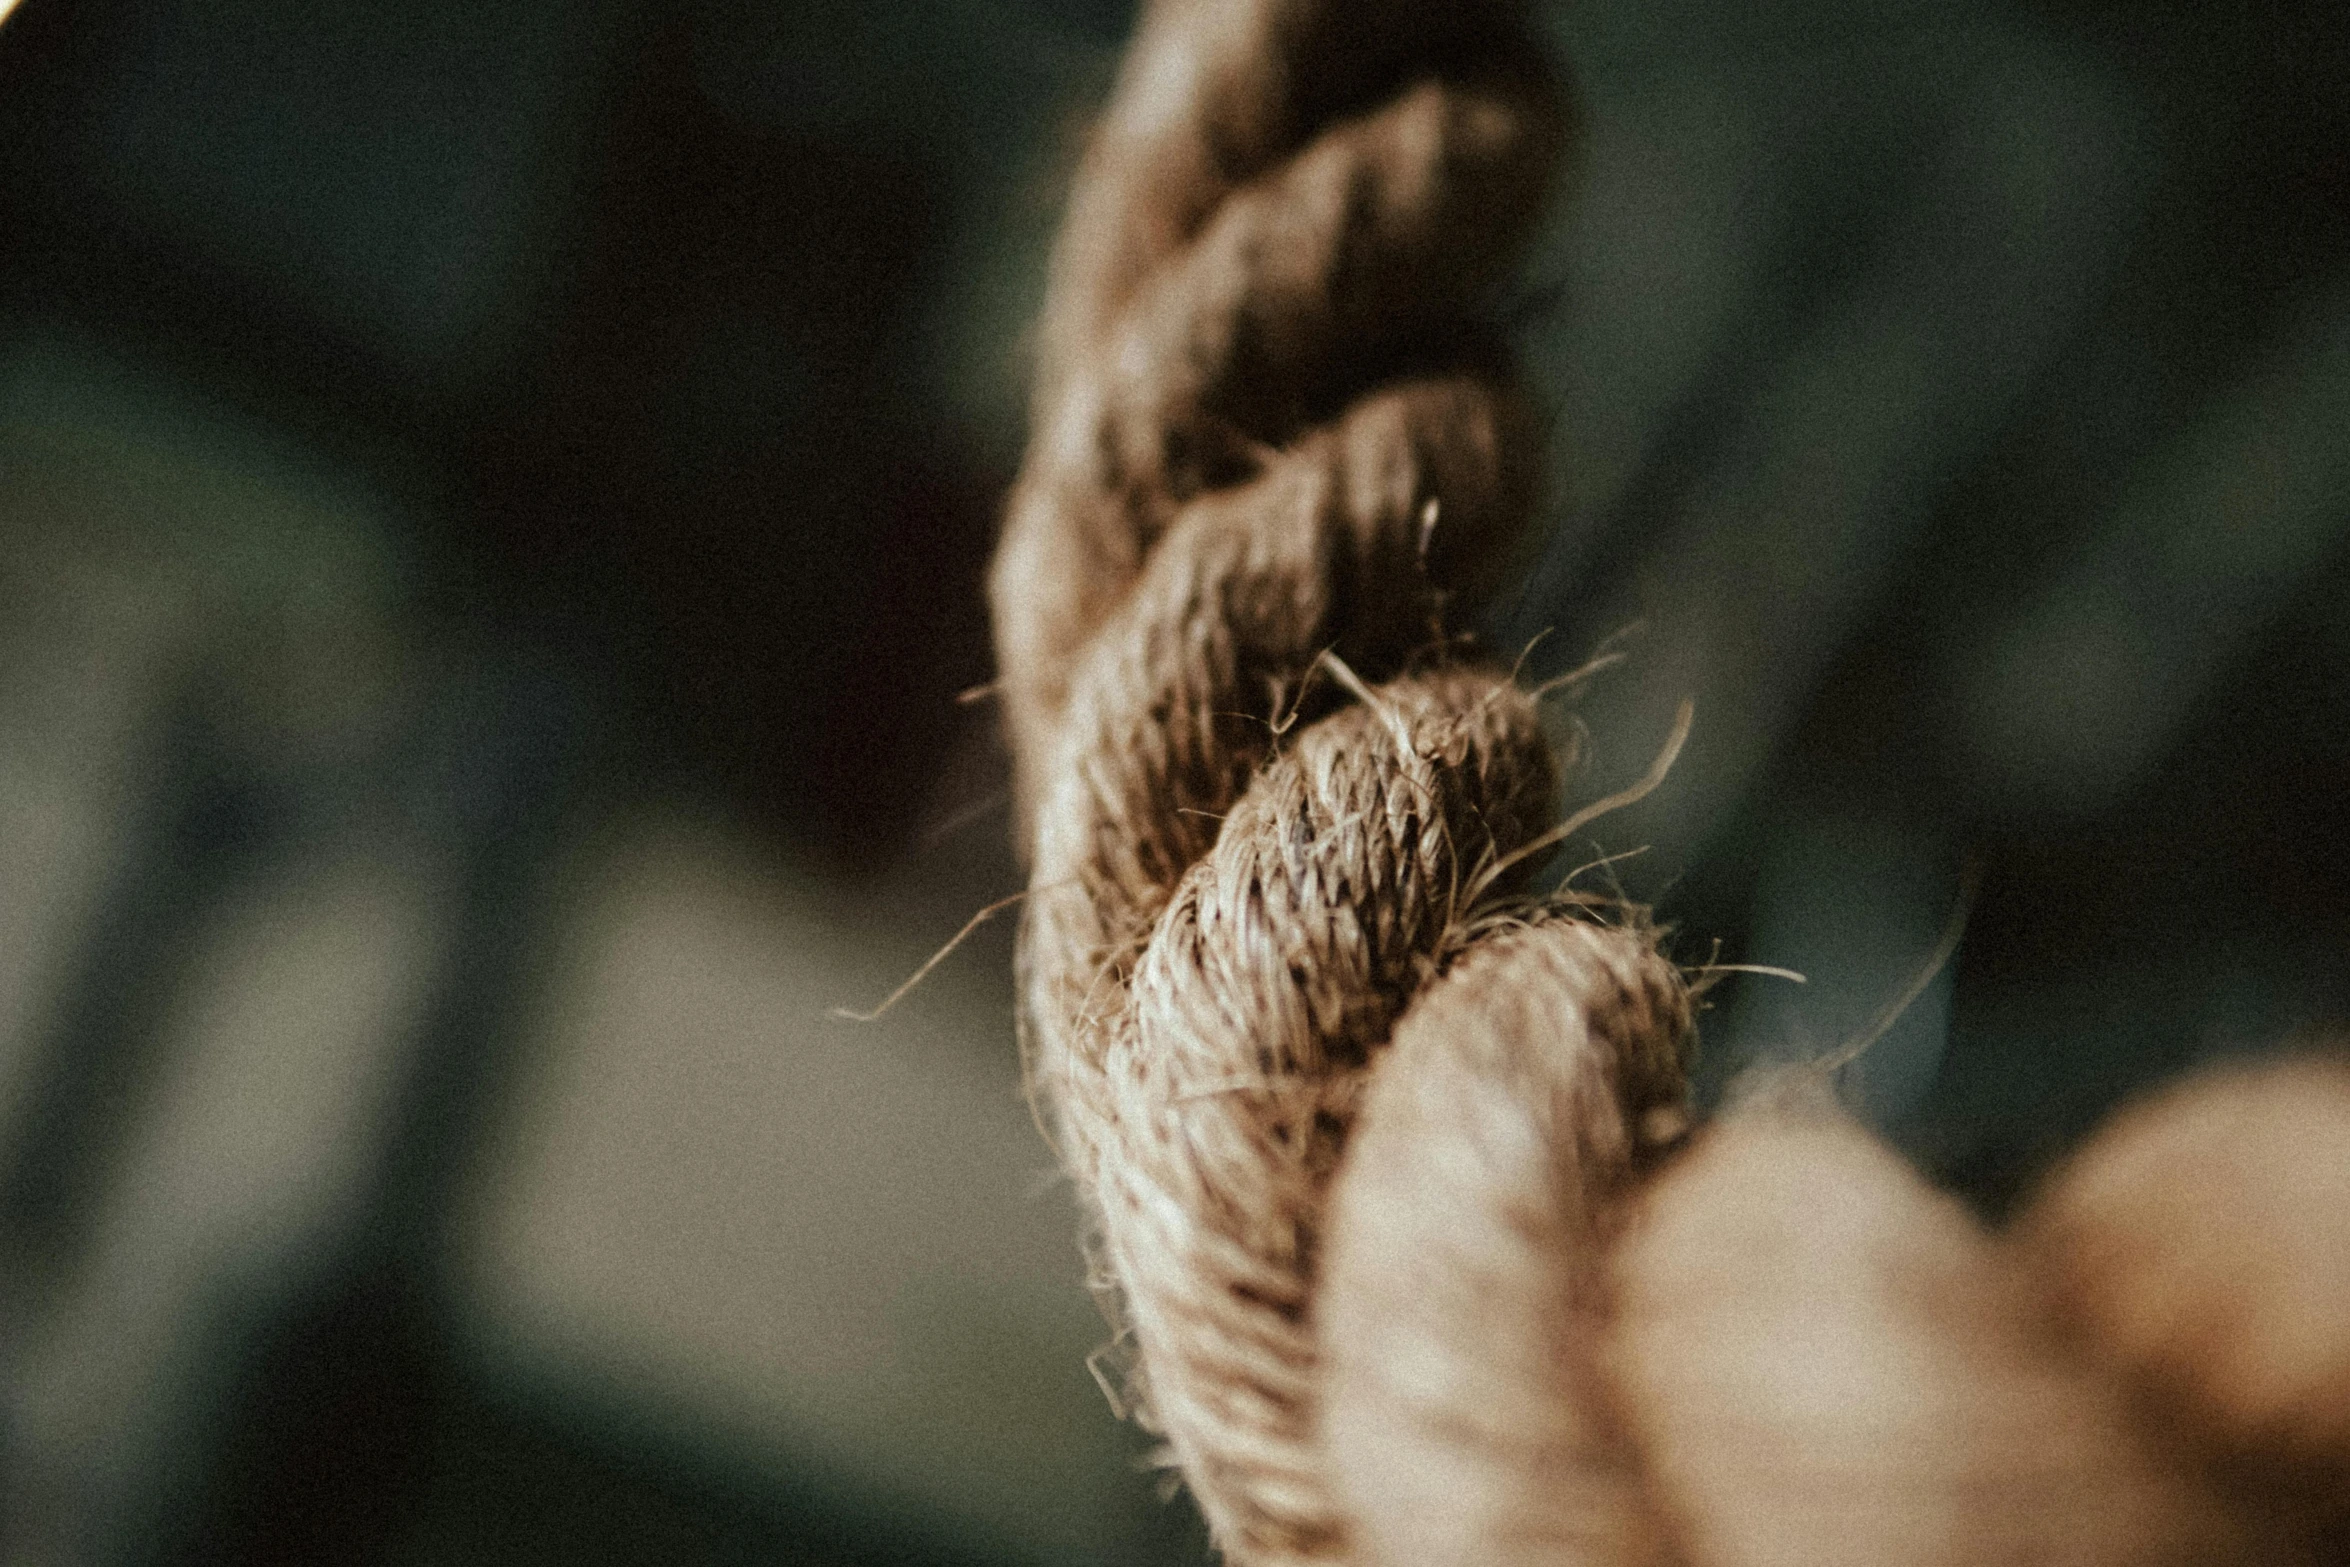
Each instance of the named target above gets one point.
<point>492,505</point>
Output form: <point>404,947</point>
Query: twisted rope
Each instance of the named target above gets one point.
<point>1371,1142</point>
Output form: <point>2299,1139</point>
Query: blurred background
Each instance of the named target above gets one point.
<point>492,505</point>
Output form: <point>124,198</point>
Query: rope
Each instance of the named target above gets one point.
<point>1381,1154</point>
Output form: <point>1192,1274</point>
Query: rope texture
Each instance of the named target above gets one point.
<point>1386,1160</point>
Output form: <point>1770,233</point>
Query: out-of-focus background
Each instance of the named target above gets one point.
<point>492,499</point>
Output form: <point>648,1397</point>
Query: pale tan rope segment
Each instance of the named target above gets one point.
<point>1268,428</point>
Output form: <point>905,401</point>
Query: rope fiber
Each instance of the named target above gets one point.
<point>1413,1260</point>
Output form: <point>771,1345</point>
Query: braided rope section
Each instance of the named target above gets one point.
<point>1268,425</point>
<point>1378,1151</point>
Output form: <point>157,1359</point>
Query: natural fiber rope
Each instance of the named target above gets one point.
<point>1273,442</point>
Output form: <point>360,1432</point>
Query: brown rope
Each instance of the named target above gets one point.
<point>1445,1299</point>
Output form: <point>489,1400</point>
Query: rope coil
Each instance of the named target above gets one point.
<point>1372,1145</point>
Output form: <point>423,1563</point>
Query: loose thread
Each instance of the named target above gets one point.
<point>936,958</point>
<point>1946,948</point>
